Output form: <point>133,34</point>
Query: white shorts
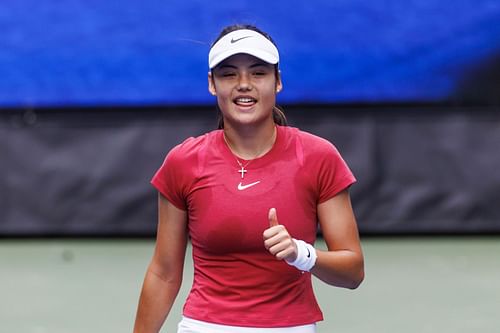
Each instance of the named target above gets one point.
<point>188,325</point>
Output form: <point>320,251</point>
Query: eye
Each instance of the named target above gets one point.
<point>224,73</point>
<point>228,74</point>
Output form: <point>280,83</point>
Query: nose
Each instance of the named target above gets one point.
<point>244,83</point>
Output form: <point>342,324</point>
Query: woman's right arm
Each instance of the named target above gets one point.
<point>164,275</point>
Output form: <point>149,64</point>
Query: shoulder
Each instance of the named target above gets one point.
<point>315,141</point>
<point>309,143</point>
<point>182,162</point>
<point>328,172</point>
<point>190,148</point>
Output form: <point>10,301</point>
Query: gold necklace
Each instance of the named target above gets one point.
<point>243,169</point>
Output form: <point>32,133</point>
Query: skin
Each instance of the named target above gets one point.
<point>164,274</point>
<point>342,265</point>
<point>246,91</point>
<point>248,126</point>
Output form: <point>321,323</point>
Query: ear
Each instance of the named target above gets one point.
<point>279,84</point>
<point>211,84</point>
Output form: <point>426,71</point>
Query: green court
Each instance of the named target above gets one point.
<point>412,285</point>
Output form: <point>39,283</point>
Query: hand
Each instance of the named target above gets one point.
<point>278,241</point>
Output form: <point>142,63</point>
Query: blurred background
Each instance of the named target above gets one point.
<point>93,94</point>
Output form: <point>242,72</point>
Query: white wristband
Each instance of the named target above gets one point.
<point>306,256</point>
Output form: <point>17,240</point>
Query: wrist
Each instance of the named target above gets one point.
<point>306,256</point>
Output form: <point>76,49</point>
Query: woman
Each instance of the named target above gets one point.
<point>250,196</point>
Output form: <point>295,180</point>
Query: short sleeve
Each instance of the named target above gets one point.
<point>171,180</point>
<point>333,175</point>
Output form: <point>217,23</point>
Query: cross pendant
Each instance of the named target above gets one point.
<point>242,171</point>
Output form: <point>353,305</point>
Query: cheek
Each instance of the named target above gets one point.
<point>223,95</point>
<point>224,102</point>
<point>223,99</point>
<point>269,94</point>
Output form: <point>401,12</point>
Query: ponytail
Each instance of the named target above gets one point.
<point>279,116</point>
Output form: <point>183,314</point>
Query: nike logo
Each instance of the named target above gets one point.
<point>242,187</point>
<point>308,253</point>
<point>238,39</point>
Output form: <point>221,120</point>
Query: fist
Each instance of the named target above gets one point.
<point>278,241</point>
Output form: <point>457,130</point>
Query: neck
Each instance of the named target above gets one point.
<point>250,144</point>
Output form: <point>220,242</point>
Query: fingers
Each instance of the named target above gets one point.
<point>273,218</point>
<point>277,240</point>
<point>273,222</point>
<point>282,249</point>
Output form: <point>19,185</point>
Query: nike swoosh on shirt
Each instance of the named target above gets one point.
<point>242,187</point>
<point>238,39</point>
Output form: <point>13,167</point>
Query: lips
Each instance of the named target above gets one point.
<point>244,101</point>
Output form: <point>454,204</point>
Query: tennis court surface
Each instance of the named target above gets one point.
<point>413,285</point>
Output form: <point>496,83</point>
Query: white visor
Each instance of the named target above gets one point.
<point>243,41</point>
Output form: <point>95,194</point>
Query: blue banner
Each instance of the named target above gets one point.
<point>151,52</point>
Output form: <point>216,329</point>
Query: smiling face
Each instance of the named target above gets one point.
<point>246,89</point>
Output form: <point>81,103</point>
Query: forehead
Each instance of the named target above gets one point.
<point>243,60</point>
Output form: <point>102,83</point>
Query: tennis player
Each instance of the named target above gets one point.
<point>250,196</point>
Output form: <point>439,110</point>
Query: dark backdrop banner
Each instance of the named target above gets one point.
<point>86,172</point>
<point>154,52</point>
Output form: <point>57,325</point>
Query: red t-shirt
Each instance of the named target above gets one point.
<point>236,280</point>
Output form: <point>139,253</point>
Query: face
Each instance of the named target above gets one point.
<point>246,89</point>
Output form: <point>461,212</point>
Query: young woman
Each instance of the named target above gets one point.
<point>250,196</point>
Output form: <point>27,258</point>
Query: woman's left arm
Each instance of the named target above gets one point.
<point>343,264</point>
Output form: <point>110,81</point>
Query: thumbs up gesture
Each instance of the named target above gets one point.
<point>277,240</point>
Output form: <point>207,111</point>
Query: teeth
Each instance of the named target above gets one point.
<point>244,100</point>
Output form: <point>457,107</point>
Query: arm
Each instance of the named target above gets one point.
<point>164,275</point>
<point>342,265</point>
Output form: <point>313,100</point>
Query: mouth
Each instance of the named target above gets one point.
<point>244,101</point>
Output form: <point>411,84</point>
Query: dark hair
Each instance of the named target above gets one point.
<point>278,114</point>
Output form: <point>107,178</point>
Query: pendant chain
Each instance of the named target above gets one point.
<point>243,169</point>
